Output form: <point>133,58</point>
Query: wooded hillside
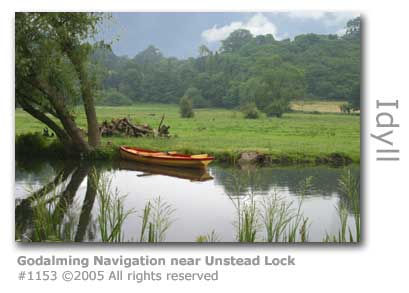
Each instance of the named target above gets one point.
<point>246,69</point>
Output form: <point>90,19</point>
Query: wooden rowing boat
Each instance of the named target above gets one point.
<point>172,159</point>
<point>149,169</point>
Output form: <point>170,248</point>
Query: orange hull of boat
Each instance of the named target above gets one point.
<point>172,159</point>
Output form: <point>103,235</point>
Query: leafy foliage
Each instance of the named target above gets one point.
<point>246,69</point>
<point>186,108</point>
<point>53,72</point>
<point>277,108</point>
<point>250,111</point>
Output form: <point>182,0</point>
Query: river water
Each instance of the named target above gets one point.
<point>200,202</point>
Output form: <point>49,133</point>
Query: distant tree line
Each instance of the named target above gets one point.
<point>246,70</point>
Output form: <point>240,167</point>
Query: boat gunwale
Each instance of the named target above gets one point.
<point>177,157</point>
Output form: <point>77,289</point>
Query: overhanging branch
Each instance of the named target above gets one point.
<point>61,134</point>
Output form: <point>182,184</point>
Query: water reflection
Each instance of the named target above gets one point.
<point>202,205</point>
<point>324,178</point>
<point>63,189</point>
<point>148,170</point>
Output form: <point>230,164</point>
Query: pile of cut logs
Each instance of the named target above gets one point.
<point>124,126</point>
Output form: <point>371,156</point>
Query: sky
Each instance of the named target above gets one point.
<point>180,34</point>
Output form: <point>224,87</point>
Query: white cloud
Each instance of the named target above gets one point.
<point>257,25</point>
<point>304,15</point>
<point>337,18</point>
<point>327,18</point>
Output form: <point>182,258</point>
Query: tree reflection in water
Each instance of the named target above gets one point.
<point>45,214</point>
<point>53,212</point>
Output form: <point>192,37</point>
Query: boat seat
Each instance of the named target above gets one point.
<point>199,156</point>
<point>144,153</point>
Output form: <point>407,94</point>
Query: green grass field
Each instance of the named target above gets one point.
<point>298,136</point>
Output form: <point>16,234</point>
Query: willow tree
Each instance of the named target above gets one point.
<point>52,73</point>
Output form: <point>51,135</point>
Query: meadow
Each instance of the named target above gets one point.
<point>296,137</point>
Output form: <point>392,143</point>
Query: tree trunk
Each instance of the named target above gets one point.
<point>61,134</point>
<point>57,101</point>
<point>88,99</point>
<point>86,211</point>
<point>68,195</point>
<point>76,57</point>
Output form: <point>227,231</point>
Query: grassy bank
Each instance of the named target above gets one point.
<point>297,137</point>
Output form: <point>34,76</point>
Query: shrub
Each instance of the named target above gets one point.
<point>30,143</point>
<point>250,111</point>
<point>277,108</point>
<point>35,145</point>
<point>346,108</point>
<point>186,108</point>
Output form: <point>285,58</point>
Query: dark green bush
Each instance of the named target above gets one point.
<point>30,143</point>
<point>35,145</point>
<point>346,108</point>
<point>250,111</point>
<point>277,108</point>
<point>186,108</point>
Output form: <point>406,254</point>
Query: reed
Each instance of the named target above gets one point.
<point>145,221</point>
<point>275,214</point>
<point>235,197</point>
<point>299,224</point>
<point>112,213</point>
<point>270,218</point>
<point>70,222</point>
<point>47,223</point>
<point>283,223</point>
<point>249,224</point>
<point>304,230</point>
<point>343,219</point>
<point>44,224</point>
<point>210,237</point>
<point>156,220</point>
<point>349,187</point>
